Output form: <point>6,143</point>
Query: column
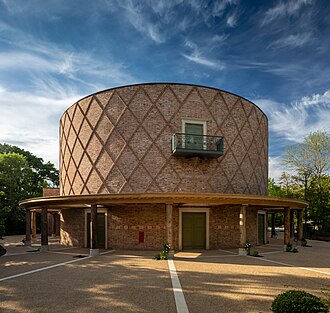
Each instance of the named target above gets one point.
<point>54,224</point>
<point>291,223</point>
<point>242,225</point>
<point>27,241</point>
<point>94,251</point>
<point>300,224</point>
<point>34,225</point>
<point>286,226</point>
<point>57,224</point>
<point>169,224</point>
<point>44,230</point>
<point>273,234</point>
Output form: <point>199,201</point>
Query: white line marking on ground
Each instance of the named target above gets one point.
<point>180,302</point>
<point>231,252</point>
<point>42,269</point>
<point>290,265</point>
<point>106,252</point>
<point>70,253</point>
<point>59,249</point>
<point>272,252</point>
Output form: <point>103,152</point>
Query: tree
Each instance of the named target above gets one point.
<point>310,161</point>
<point>22,176</point>
<point>15,175</point>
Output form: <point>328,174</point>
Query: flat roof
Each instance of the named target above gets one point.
<point>210,199</point>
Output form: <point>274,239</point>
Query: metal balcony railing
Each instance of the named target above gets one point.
<point>190,145</point>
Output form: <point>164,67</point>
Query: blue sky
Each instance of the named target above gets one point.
<point>54,52</point>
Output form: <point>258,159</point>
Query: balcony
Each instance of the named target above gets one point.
<point>189,145</point>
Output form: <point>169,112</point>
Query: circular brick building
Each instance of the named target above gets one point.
<point>163,162</point>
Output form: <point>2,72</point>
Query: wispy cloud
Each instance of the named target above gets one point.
<point>284,8</point>
<point>295,120</point>
<point>293,41</point>
<point>37,116</point>
<point>197,57</point>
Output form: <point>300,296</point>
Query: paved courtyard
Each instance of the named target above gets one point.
<point>67,280</point>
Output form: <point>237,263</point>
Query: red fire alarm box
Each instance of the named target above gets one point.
<point>141,236</point>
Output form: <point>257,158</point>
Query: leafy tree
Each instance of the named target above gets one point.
<point>310,162</point>
<point>22,176</point>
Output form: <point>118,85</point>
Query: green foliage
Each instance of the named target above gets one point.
<point>297,301</point>
<point>256,254</point>
<point>164,253</point>
<point>22,176</point>
<point>303,242</point>
<point>290,248</point>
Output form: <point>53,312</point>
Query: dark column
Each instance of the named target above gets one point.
<point>34,225</point>
<point>300,224</point>
<point>57,224</point>
<point>273,235</point>
<point>93,229</point>
<point>291,223</point>
<point>44,230</point>
<point>286,226</point>
<point>28,227</point>
<point>53,225</point>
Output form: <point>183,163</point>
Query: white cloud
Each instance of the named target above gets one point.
<point>197,57</point>
<point>293,41</point>
<point>232,20</point>
<point>275,167</point>
<point>284,8</point>
<point>297,119</point>
<point>204,61</point>
<point>32,121</point>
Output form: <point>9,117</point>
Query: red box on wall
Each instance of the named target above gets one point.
<point>141,236</point>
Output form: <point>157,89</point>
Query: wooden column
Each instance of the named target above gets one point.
<point>57,224</point>
<point>286,226</point>
<point>27,227</point>
<point>44,230</point>
<point>300,224</point>
<point>34,225</point>
<point>273,234</point>
<point>291,223</point>
<point>53,225</point>
<point>93,231</point>
<point>242,225</point>
<point>169,224</point>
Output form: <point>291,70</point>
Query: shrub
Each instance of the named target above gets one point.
<point>298,301</point>
<point>303,242</point>
<point>163,254</point>
<point>255,253</point>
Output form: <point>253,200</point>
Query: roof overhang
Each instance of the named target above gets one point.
<point>211,199</point>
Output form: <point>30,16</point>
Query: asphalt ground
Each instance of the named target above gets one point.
<point>67,280</point>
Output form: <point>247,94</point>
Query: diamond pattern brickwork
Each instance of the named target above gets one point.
<point>119,141</point>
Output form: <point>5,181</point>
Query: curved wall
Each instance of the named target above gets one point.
<point>119,141</point>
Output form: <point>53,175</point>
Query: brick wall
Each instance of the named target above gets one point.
<point>119,141</point>
<point>125,223</point>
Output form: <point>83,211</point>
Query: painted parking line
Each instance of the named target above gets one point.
<point>69,253</point>
<point>290,265</point>
<point>42,269</point>
<point>180,302</point>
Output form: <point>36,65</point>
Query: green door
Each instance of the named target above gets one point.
<point>193,231</point>
<point>100,230</point>
<point>261,229</point>
<point>194,136</point>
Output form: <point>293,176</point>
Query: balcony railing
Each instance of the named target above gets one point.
<point>189,145</point>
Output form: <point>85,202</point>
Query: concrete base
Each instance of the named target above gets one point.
<point>170,255</point>
<point>94,252</point>
<point>242,251</point>
<point>44,248</point>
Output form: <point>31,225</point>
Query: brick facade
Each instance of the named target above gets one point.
<point>119,141</point>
